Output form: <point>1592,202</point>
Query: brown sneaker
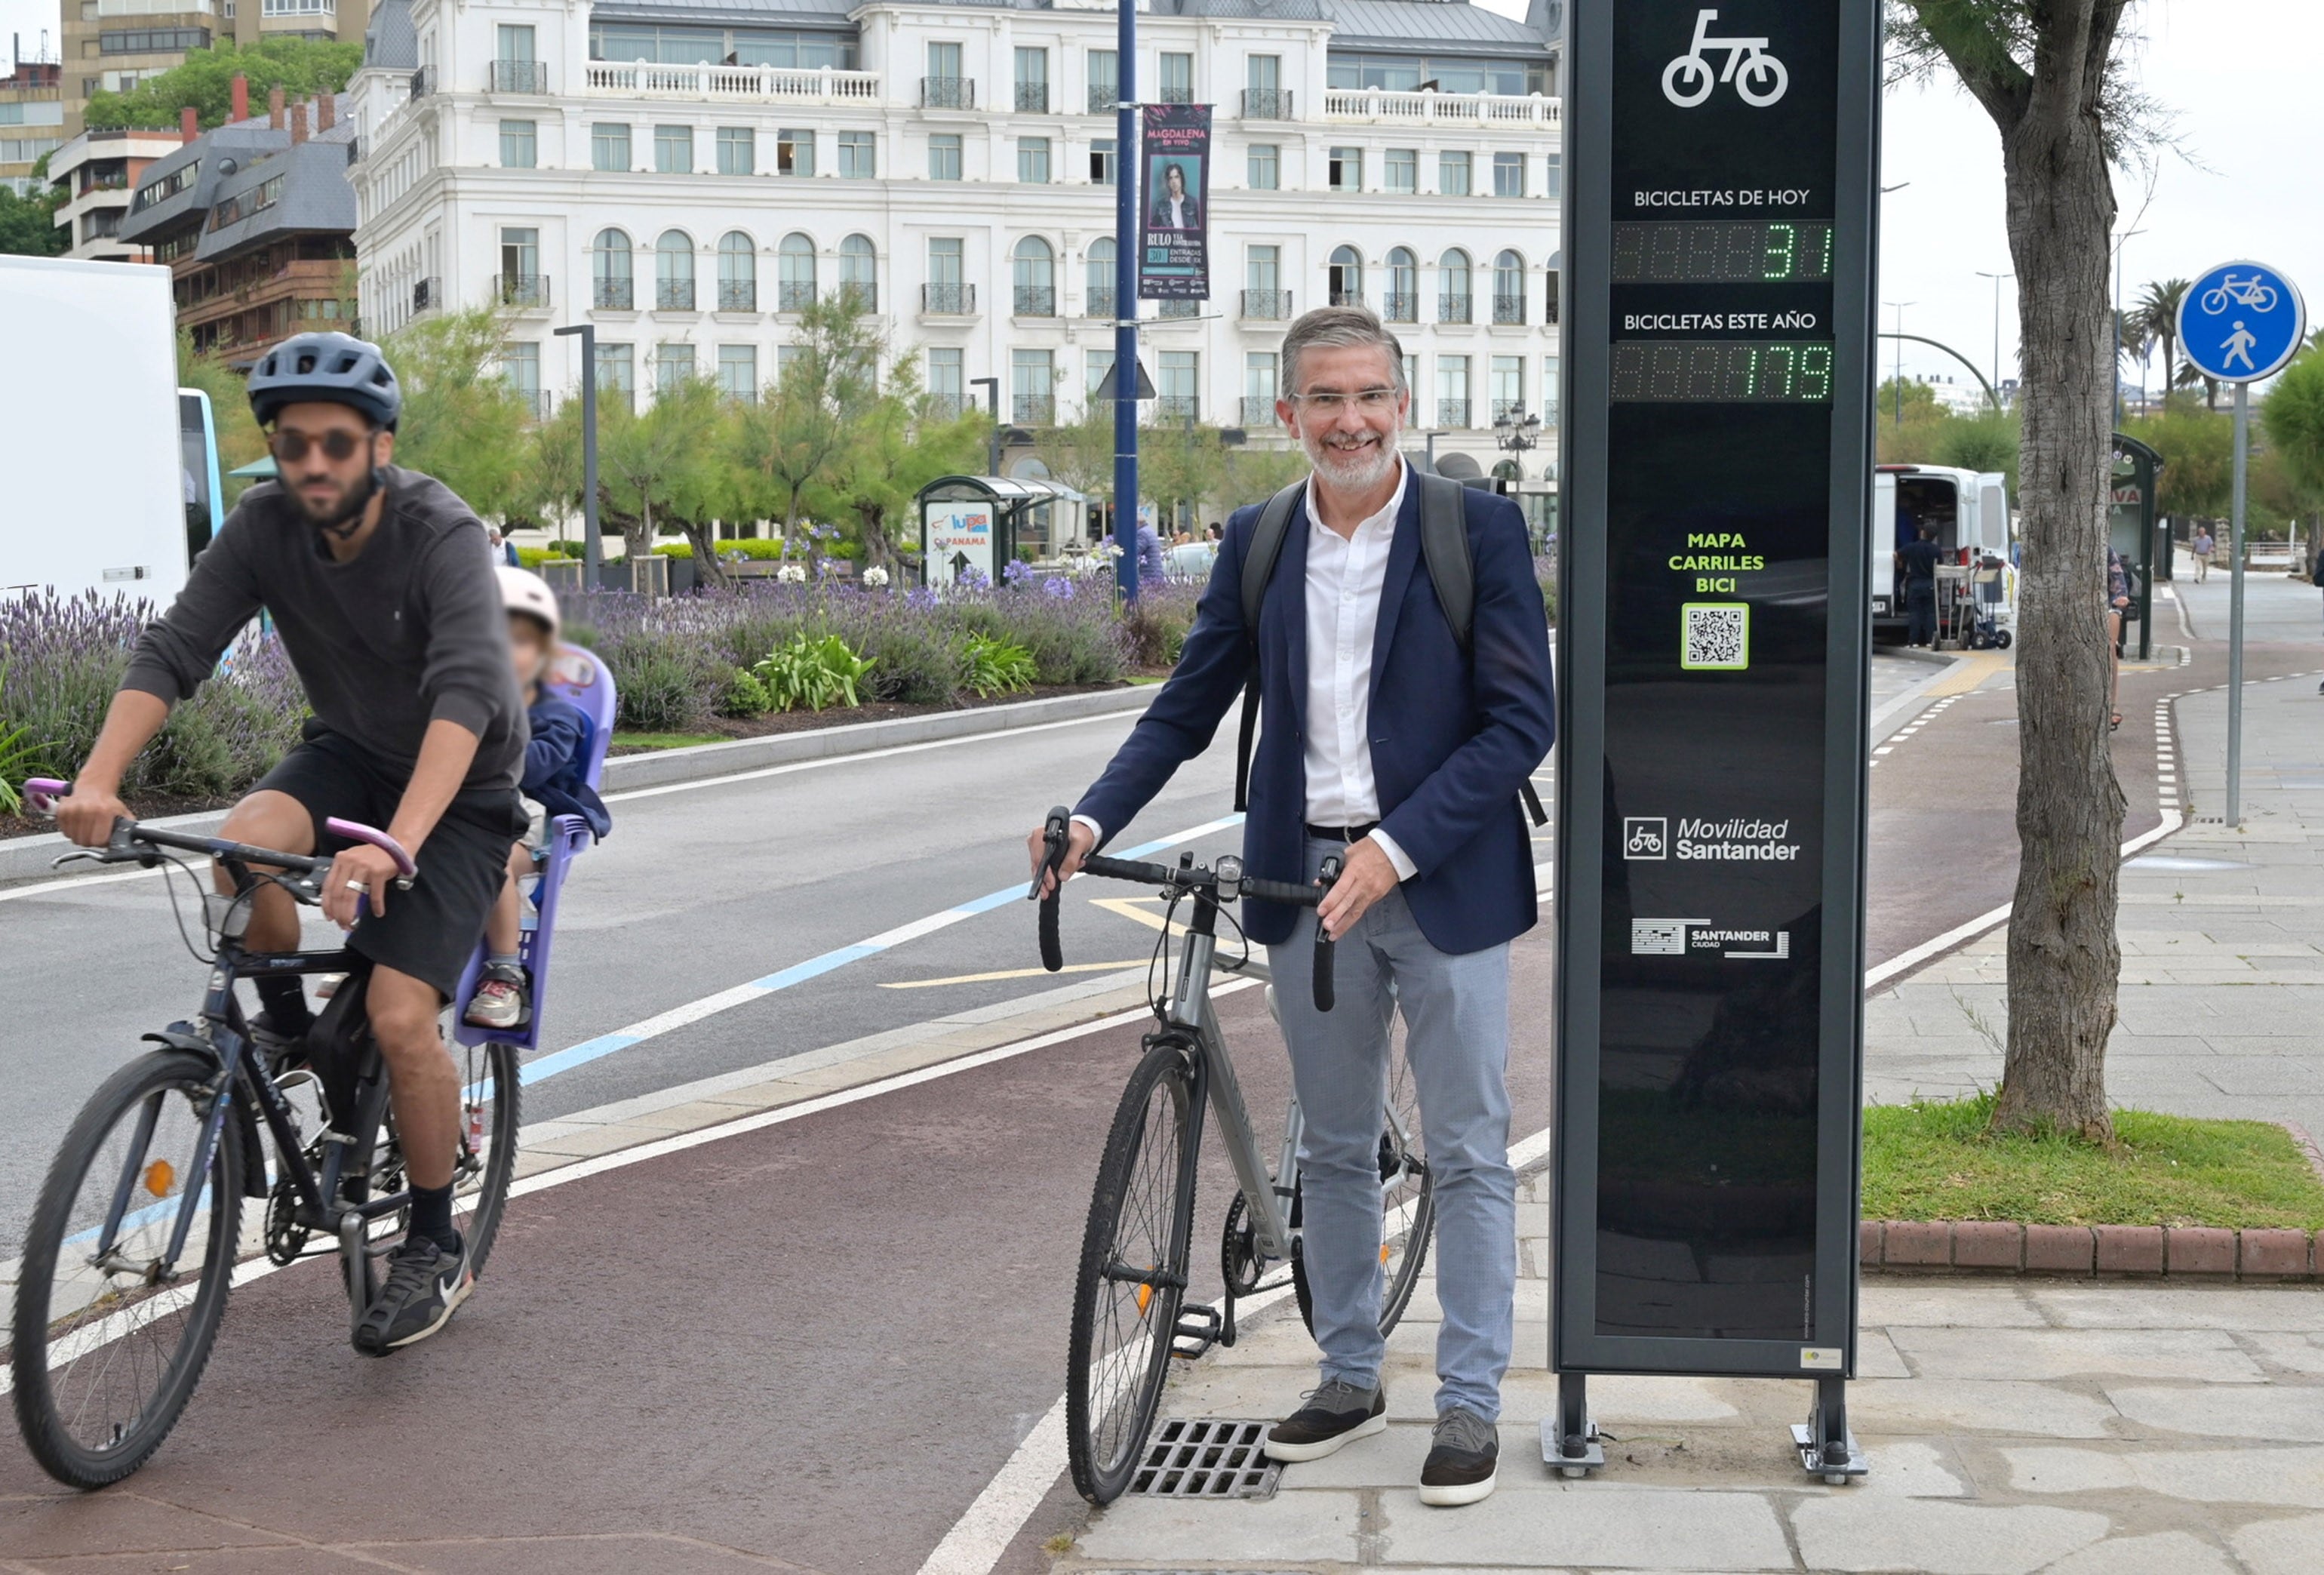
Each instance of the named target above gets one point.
<point>1337,1413</point>
<point>1463,1460</point>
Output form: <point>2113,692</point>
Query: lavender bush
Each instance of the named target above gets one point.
<point>63,657</point>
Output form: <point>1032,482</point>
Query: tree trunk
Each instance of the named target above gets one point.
<point>709,568</point>
<point>2064,959</point>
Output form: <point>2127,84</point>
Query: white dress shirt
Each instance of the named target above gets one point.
<point>1344,580</point>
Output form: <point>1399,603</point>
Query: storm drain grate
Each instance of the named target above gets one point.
<point>1207,1457</point>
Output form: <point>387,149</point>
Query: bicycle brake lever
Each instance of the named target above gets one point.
<point>1057,838</point>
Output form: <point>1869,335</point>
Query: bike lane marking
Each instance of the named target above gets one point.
<point>799,973</point>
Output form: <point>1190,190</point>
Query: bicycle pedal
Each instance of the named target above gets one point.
<point>1199,1328</point>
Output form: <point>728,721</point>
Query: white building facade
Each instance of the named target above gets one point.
<point>685,173</point>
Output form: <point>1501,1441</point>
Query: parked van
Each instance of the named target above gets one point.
<point>1970,510</point>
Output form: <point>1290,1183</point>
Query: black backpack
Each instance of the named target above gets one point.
<point>1443,543</point>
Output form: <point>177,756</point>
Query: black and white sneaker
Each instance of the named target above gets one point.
<point>1334,1414</point>
<point>1463,1461</point>
<point>425,1284</point>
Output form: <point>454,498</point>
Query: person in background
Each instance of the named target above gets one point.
<point>2117,609</point>
<point>1151,564</point>
<point>1217,533</point>
<point>1916,570</point>
<point>503,549</point>
<point>2203,549</point>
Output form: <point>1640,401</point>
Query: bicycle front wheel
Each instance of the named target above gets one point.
<point>110,1334</point>
<point>1132,1277</point>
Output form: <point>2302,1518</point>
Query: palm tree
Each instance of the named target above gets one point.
<point>2137,344</point>
<point>2158,309</point>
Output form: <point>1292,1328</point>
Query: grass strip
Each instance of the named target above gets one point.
<point>1937,1160</point>
<point>665,740</point>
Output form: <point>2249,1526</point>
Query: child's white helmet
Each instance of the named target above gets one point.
<point>524,591</point>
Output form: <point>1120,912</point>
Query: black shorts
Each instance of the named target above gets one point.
<point>431,930</point>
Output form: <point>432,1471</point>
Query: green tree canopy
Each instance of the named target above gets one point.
<point>464,422</point>
<point>2294,418</point>
<point>300,67</point>
<point>784,442</point>
<point>28,224</point>
<point>2198,450</point>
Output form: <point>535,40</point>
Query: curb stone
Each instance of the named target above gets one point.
<point>2209,1255</point>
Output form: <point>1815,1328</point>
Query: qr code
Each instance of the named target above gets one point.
<point>1716,638</point>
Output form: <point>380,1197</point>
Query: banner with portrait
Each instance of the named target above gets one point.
<point>1175,203</point>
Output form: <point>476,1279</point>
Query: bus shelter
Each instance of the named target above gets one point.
<point>974,526</point>
<point>2131,529</point>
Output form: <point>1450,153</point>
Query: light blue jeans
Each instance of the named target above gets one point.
<point>1456,1013</point>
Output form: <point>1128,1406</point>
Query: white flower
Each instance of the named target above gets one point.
<point>876,578</point>
<point>792,573</point>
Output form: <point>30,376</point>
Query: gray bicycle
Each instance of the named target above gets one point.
<point>1130,1316</point>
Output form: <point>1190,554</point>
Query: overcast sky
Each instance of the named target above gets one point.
<point>2242,77</point>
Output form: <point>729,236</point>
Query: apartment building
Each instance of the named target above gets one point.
<point>31,122</point>
<point>112,45</point>
<point>95,171</point>
<point>686,174</point>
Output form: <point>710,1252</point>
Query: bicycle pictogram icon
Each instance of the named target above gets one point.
<point>2256,293</point>
<point>1759,78</point>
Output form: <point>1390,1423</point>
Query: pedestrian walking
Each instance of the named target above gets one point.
<point>1916,562</point>
<point>2117,609</point>
<point>2203,546</point>
<point>1151,564</point>
<point>1400,741</point>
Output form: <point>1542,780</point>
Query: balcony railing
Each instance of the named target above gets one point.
<point>822,85</point>
<point>1434,109</point>
<point>1178,407</point>
<point>1259,410</point>
<point>426,294</point>
<point>738,295</point>
<point>1104,97</point>
<point>948,407</point>
<point>867,296</point>
<point>1180,93</point>
<point>1453,412</point>
<point>424,81</point>
<point>947,92</point>
<point>1033,98</point>
<point>794,294</point>
<point>525,291</point>
<point>520,76</point>
<point>1036,301</point>
<point>948,300</point>
<point>612,295</point>
<point>1266,104</point>
<point>1453,309</point>
<point>1098,301</point>
<point>1508,409</point>
<point>1266,305</point>
<point>1347,297</point>
<point>1509,308</point>
<point>1180,308</point>
<point>1399,306</point>
<point>1033,410</point>
<point>673,295</point>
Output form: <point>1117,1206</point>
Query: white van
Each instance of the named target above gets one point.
<point>1970,509</point>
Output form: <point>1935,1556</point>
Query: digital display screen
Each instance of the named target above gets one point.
<point>1715,251</point>
<point>1722,372</point>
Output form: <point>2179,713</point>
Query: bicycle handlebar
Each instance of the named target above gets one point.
<point>1178,879</point>
<point>40,793</point>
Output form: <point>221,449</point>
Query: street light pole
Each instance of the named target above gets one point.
<point>592,547</point>
<point>991,386</point>
<point>1125,301</point>
<point>1899,306</point>
<point>1997,279</point>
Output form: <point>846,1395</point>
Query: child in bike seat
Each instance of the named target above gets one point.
<point>555,783</point>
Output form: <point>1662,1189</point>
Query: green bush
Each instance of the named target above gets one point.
<point>997,666</point>
<point>664,681</point>
<point>744,696</point>
<point>752,549</point>
<point>533,558</point>
<point>814,673</point>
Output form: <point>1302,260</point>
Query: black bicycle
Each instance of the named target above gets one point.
<point>1130,1317</point>
<point>138,1235</point>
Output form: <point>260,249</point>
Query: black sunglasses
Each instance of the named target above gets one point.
<point>289,447</point>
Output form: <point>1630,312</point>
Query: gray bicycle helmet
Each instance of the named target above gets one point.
<point>336,367</point>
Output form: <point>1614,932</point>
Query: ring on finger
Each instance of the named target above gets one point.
<point>357,886</point>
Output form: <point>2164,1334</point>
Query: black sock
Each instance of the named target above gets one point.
<point>286,1005</point>
<point>431,1217</point>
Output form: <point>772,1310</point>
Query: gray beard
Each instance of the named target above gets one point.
<point>1334,465</point>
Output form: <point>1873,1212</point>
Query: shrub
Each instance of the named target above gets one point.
<point>997,666</point>
<point>533,558</point>
<point>813,673</point>
<point>744,695</point>
<point>1545,574</point>
<point>1155,626</point>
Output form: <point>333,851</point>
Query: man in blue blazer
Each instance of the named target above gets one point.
<point>1385,742</point>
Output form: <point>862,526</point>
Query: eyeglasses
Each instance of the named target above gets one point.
<point>1370,400</point>
<point>340,446</point>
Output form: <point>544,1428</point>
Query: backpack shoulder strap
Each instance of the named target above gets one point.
<point>1259,567</point>
<point>1444,541</point>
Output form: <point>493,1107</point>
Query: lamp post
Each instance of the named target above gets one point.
<point>1125,300</point>
<point>1899,306</point>
<point>1997,279</point>
<point>592,549</point>
<point>991,386</point>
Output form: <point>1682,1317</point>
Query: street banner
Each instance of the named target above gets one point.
<point>1174,214</point>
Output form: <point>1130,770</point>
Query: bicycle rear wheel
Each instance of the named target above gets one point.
<point>491,1100</point>
<point>1408,1204</point>
<point>108,1342</point>
<point>1132,1276</point>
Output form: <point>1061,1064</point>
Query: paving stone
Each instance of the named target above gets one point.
<point>1617,1398</point>
<point>2281,1547</point>
<point>2129,1249</point>
<point>1877,1356</point>
<point>2300,1353</point>
<point>1850,1532</point>
<point>1989,1243</point>
<point>2206,1355</point>
<point>1290,1525</point>
<point>2157,1305</point>
<point>2274,1253</point>
<point>1644,1529</point>
<point>2049,1471</point>
<point>1916,1244</point>
<point>1868,1243</point>
<point>1910,1469</point>
<point>2168,1553</point>
<point>2059,1249</point>
<point>1393,1458</point>
<point>1888,1304</point>
<point>2281,1412</point>
<point>2199,1250</point>
<point>1920,1406</point>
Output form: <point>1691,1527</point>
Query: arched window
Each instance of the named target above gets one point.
<point>1453,287</point>
<point>674,272</point>
<point>1035,266</point>
<point>795,272</point>
<point>738,272</point>
<point>859,270</point>
<point>612,265</point>
<point>1402,303</point>
<point>1345,277</point>
<point>1509,288</point>
<point>1101,282</point>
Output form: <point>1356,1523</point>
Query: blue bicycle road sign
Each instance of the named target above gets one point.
<point>2241,322</point>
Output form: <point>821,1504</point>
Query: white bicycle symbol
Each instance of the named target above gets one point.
<point>2254,292</point>
<point>1644,840</point>
<point>1760,82</point>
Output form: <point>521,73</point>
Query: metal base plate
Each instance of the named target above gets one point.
<point>1206,1457</point>
<point>1816,1463</point>
<point>1592,1455</point>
